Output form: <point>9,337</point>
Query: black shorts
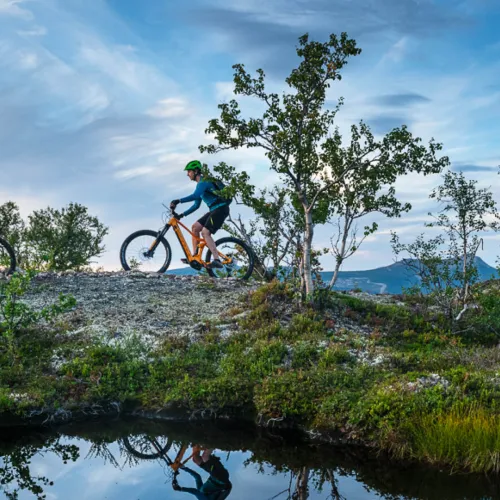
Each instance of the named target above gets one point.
<point>213,220</point>
<point>217,471</point>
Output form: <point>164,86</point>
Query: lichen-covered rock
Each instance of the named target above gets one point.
<point>114,305</point>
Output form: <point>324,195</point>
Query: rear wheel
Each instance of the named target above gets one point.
<point>135,253</point>
<point>236,256</point>
<point>7,257</point>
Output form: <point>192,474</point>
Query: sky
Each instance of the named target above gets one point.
<point>91,477</point>
<point>104,102</point>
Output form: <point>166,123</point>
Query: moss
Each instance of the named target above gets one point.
<point>284,363</point>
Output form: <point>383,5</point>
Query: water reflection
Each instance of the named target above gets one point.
<point>216,487</point>
<point>177,461</point>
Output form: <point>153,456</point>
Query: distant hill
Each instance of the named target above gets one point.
<point>388,279</point>
<point>391,279</point>
<point>184,271</point>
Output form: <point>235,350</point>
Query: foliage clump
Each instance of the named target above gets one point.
<point>53,239</point>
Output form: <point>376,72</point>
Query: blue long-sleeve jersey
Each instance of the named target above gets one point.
<point>204,191</point>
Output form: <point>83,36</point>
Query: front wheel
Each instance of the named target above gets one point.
<point>135,253</point>
<point>145,447</point>
<point>7,257</point>
<point>236,256</point>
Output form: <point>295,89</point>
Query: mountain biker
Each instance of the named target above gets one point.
<point>213,220</point>
<point>216,487</point>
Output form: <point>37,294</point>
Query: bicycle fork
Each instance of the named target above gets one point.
<point>156,242</point>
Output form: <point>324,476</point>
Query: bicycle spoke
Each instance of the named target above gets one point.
<point>4,259</point>
<point>7,258</point>
<point>146,447</point>
<point>139,258</point>
<point>234,258</point>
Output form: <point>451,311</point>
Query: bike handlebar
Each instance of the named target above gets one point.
<point>173,213</point>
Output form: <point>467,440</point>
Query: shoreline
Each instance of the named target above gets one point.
<point>364,371</point>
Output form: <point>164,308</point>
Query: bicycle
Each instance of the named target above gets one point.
<point>7,257</point>
<point>145,447</point>
<point>139,250</point>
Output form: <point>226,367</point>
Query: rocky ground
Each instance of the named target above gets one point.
<point>114,305</point>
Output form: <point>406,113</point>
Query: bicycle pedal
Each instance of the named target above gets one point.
<point>184,261</point>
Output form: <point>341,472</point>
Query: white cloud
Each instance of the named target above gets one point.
<point>121,65</point>
<point>397,52</point>
<point>172,107</point>
<point>35,31</point>
<point>224,91</point>
<point>12,8</point>
<point>28,60</point>
<point>134,172</point>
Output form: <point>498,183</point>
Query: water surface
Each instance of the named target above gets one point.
<point>130,460</point>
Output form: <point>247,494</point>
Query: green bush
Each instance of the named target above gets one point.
<point>16,316</point>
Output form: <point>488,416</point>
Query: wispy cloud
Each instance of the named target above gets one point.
<point>473,168</point>
<point>13,8</point>
<point>400,100</point>
<point>108,100</point>
<point>35,31</point>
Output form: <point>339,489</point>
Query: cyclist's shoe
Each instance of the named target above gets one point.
<point>215,264</point>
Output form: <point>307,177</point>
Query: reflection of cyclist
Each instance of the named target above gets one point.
<point>216,487</point>
<point>212,221</point>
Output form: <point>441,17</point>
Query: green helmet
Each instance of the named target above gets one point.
<point>193,165</point>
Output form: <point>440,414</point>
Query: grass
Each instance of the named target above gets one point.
<point>466,437</point>
<point>287,364</point>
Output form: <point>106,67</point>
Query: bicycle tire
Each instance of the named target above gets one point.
<point>246,248</point>
<point>145,232</point>
<point>146,456</point>
<point>12,256</point>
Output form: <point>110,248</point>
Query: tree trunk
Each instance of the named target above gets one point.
<point>464,271</point>
<point>335,273</point>
<point>340,256</point>
<point>302,485</point>
<point>309,233</point>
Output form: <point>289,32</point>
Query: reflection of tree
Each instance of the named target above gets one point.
<point>329,476</point>
<point>301,484</point>
<point>301,478</point>
<point>15,467</point>
<point>100,449</point>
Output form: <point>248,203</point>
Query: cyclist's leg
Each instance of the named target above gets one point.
<point>199,458</point>
<point>213,223</point>
<point>207,236</point>
<point>196,228</point>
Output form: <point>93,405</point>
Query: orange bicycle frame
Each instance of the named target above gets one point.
<point>174,224</point>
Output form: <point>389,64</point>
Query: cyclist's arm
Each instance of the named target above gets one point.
<point>196,197</point>
<point>195,206</point>
<point>197,477</point>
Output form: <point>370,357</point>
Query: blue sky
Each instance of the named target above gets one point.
<point>103,102</point>
<point>91,477</point>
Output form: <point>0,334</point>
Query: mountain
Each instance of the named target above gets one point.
<point>184,271</point>
<point>388,279</point>
<point>391,279</point>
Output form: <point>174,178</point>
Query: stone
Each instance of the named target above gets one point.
<point>133,302</point>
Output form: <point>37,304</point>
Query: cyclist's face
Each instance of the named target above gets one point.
<point>190,174</point>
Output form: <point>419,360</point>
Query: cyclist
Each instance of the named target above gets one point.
<point>216,487</point>
<point>212,221</point>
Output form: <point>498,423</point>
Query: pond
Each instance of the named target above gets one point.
<point>136,460</point>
